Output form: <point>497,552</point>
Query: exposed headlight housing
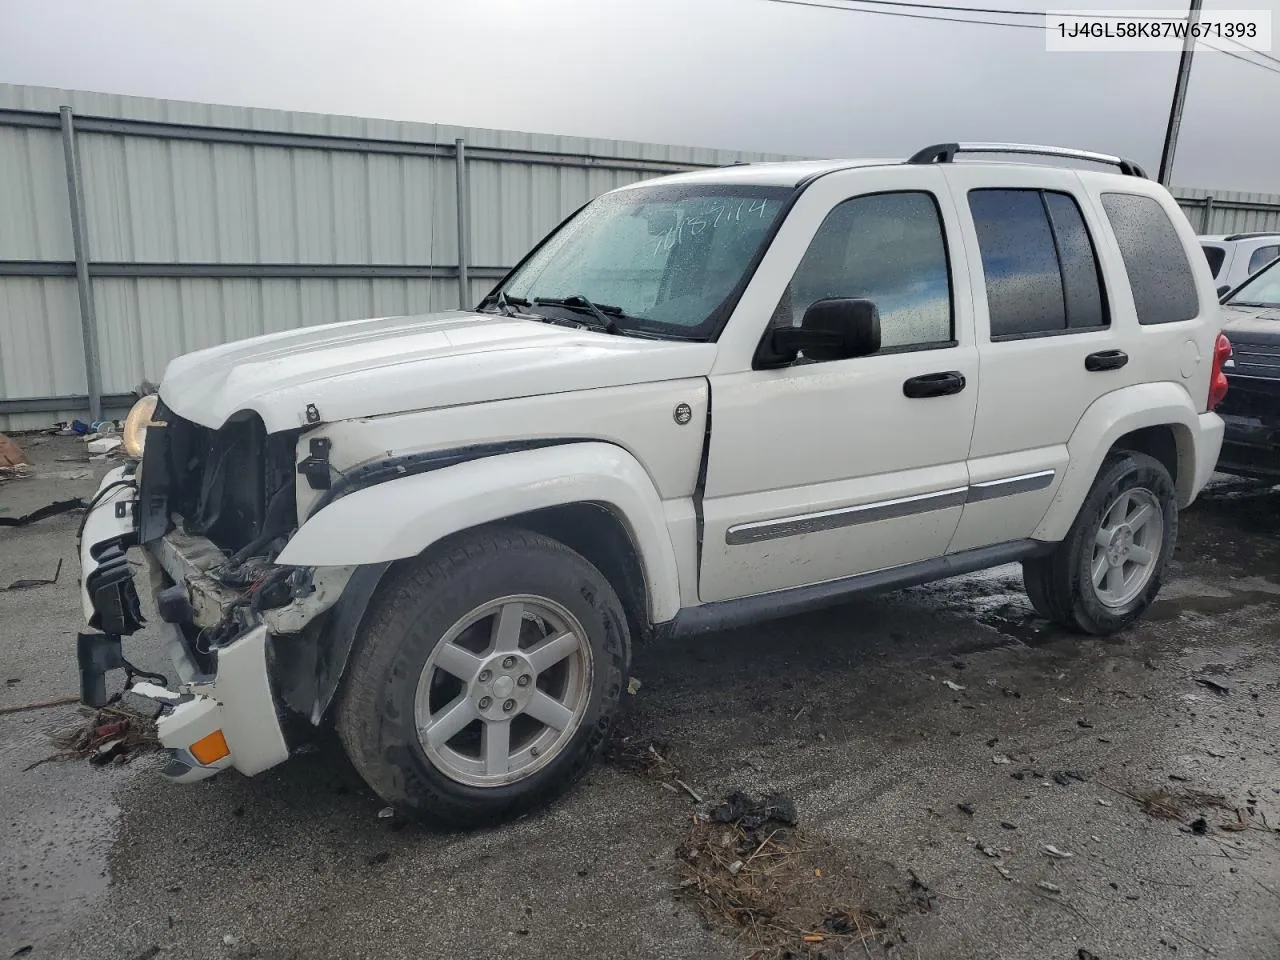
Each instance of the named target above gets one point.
<point>134,435</point>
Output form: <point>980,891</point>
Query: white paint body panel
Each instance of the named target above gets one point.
<point>1199,438</point>
<point>639,418</point>
<point>401,518</point>
<point>367,368</point>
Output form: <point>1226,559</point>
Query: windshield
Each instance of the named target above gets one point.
<point>1260,290</point>
<point>663,259</point>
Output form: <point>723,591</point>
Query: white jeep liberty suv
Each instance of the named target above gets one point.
<point>703,400</point>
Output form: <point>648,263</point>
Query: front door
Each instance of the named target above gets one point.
<point>823,470</point>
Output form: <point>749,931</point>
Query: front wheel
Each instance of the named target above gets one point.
<point>1107,571</point>
<point>485,677</point>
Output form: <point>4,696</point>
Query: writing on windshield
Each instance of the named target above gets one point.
<point>666,257</point>
<point>728,213</point>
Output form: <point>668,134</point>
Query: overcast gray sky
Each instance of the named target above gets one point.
<point>741,74</point>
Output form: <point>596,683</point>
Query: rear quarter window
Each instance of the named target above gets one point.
<point>1164,288</point>
<point>1215,256</point>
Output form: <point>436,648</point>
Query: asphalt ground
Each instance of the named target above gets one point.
<point>846,711</point>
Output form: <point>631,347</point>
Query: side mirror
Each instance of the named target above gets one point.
<point>833,329</point>
<point>1223,291</point>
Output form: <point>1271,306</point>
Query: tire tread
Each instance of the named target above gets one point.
<point>1053,582</point>
<point>362,711</point>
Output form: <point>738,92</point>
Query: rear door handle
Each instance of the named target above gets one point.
<point>934,385</point>
<point>1105,360</point>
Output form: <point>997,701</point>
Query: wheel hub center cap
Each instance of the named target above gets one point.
<point>1121,545</point>
<point>503,687</point>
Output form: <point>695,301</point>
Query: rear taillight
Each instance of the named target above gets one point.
<point>1218,378</point>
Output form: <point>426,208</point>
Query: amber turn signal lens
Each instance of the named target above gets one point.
<point>210,749</point>
<point>134,435</point>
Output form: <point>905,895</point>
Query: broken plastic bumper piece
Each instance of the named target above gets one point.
<point>228,720</point>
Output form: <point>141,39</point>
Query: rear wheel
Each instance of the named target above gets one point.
<point>485,678</point>
<point>1108,570</point>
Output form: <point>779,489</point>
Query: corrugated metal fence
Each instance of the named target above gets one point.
<point>133,230</point>
<point>1227,211</point>
<point>187,225</point>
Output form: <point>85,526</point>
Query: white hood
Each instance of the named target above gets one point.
<point>368,368</point>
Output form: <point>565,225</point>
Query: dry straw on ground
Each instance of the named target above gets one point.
<point>774,887</point>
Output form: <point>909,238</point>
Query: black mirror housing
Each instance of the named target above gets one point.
<point>832,329</point>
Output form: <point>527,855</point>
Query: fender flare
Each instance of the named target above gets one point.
<point>1109,418</point>
<point>400,518</point>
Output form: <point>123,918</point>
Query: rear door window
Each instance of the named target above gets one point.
<point>1164,288</point>
<point>1041,270</point>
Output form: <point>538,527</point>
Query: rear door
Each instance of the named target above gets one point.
<point>1050,336</point>
<point>1088,289</point>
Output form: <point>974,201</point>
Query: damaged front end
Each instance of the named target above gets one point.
<point>248,638</point>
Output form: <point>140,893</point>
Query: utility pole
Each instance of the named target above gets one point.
<point>1179,95</point>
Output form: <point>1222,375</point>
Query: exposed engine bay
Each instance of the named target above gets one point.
<point>216,507</point>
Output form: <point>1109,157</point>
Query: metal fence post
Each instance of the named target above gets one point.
<point>464,224</point>
<point>1208,215</point>
<point>79,236</point>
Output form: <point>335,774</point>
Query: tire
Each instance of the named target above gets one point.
<point>1061,586</point>
<point>389,692</point>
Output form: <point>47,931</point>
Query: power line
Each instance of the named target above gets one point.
<point>1261,53</point>
<point>1236,56</point>
<point>843,7</point>
<point>998,10</point>
<point>909,16</point>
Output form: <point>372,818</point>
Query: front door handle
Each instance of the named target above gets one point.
<point>934,385</point>
<point>1105,360</point>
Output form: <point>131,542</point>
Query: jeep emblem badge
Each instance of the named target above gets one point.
<point>683,413</point>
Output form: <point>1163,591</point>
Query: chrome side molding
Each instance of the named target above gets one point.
<point>793,526</point>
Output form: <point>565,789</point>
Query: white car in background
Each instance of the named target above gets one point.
<point>1234,258</point>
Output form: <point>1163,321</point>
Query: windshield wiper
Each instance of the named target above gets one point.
<point>504,303</point>
<point>580,304</point>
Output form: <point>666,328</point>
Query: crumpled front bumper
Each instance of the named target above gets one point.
<point>237,703</point>
<point>207,722</point>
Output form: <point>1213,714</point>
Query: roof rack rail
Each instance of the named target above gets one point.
<point>1251,236</point>
<point>946,153</point>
